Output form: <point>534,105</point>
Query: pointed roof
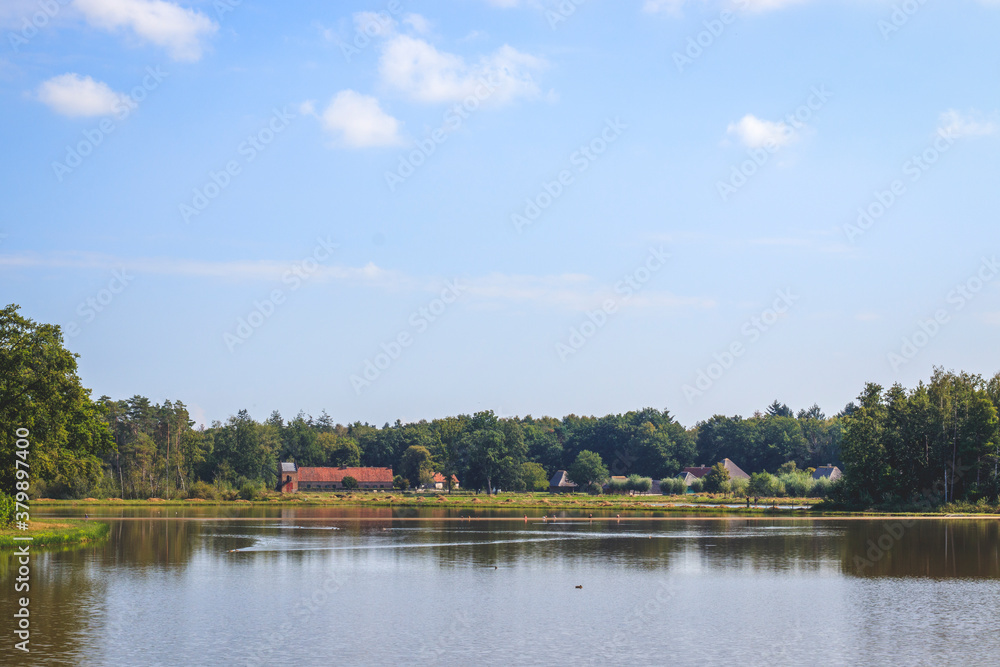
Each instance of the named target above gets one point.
<point>561,478</point>
<point>734,470</point>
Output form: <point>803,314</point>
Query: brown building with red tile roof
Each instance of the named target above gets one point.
<point>293,478</point>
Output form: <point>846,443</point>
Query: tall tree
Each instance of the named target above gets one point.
<point>41,393</point>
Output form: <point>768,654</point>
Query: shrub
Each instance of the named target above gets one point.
<point>616,487</point>
<point>738,487</point>
<point>697,486</point>
<point>249,492</point>
<point>230,494</point>
<point>400,482</point>
<point>821,487</point>
<point>638,484</point>
<point>797,484</point>
<point>762,484</point>
<point>673,486</point>
<point>203,490</point>
<point>594,489</point>
<point>349,482</point>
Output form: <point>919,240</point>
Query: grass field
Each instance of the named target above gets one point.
<point>54,533</point>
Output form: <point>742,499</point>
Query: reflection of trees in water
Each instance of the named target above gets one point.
<point>935,548</point>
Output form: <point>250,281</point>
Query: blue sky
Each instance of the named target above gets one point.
<point>409,209</point>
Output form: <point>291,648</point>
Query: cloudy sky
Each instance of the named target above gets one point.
<point>410,209</point>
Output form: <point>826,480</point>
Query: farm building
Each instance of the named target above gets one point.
<point>293,478</point>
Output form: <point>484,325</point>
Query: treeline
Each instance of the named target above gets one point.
<point>894,445</point>
<point>157,452</point>
<point>936,443</point>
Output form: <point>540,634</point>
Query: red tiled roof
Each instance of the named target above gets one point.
<point>366,475</point>
<point>698,471</point>
<point>439,478</point>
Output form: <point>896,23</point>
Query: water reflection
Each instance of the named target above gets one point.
<point>200,585</point>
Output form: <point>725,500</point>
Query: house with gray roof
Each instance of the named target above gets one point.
<point>561,483</point>
<point>831,472</point>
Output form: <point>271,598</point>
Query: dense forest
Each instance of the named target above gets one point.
<point>894,445</point>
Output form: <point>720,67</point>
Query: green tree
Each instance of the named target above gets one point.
<point>339,451</point>
<point>400,482</point>
<point>41,393</point>
<point>415,464</point>
<point>349,482</point>
<point>863,449</point>
<point>762,484</point>
<point>588,468</point>
<point>496,450</point>
<point>717,479</point>
<point>533,477</point>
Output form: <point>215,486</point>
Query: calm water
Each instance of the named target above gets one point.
<point>360,587</point>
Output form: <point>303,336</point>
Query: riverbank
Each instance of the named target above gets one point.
<point>61,532</point>
<point>536,503</point>
<point>528,501</point>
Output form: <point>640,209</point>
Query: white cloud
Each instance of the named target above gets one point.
<point>756,133</point>
<point>180,31</point>
<point>73,95</point>
<point>958,125</point>
<point>425,74</point>
<point>360,121</point>
<point>418,23</point>
<point>573,292</point>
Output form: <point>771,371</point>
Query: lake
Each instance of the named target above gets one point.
<point>372,586</point>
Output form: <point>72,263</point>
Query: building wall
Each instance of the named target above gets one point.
<point>290,482</point>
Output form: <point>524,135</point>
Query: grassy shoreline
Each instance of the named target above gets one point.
<point>666,505</point>
<point>56,532</point>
